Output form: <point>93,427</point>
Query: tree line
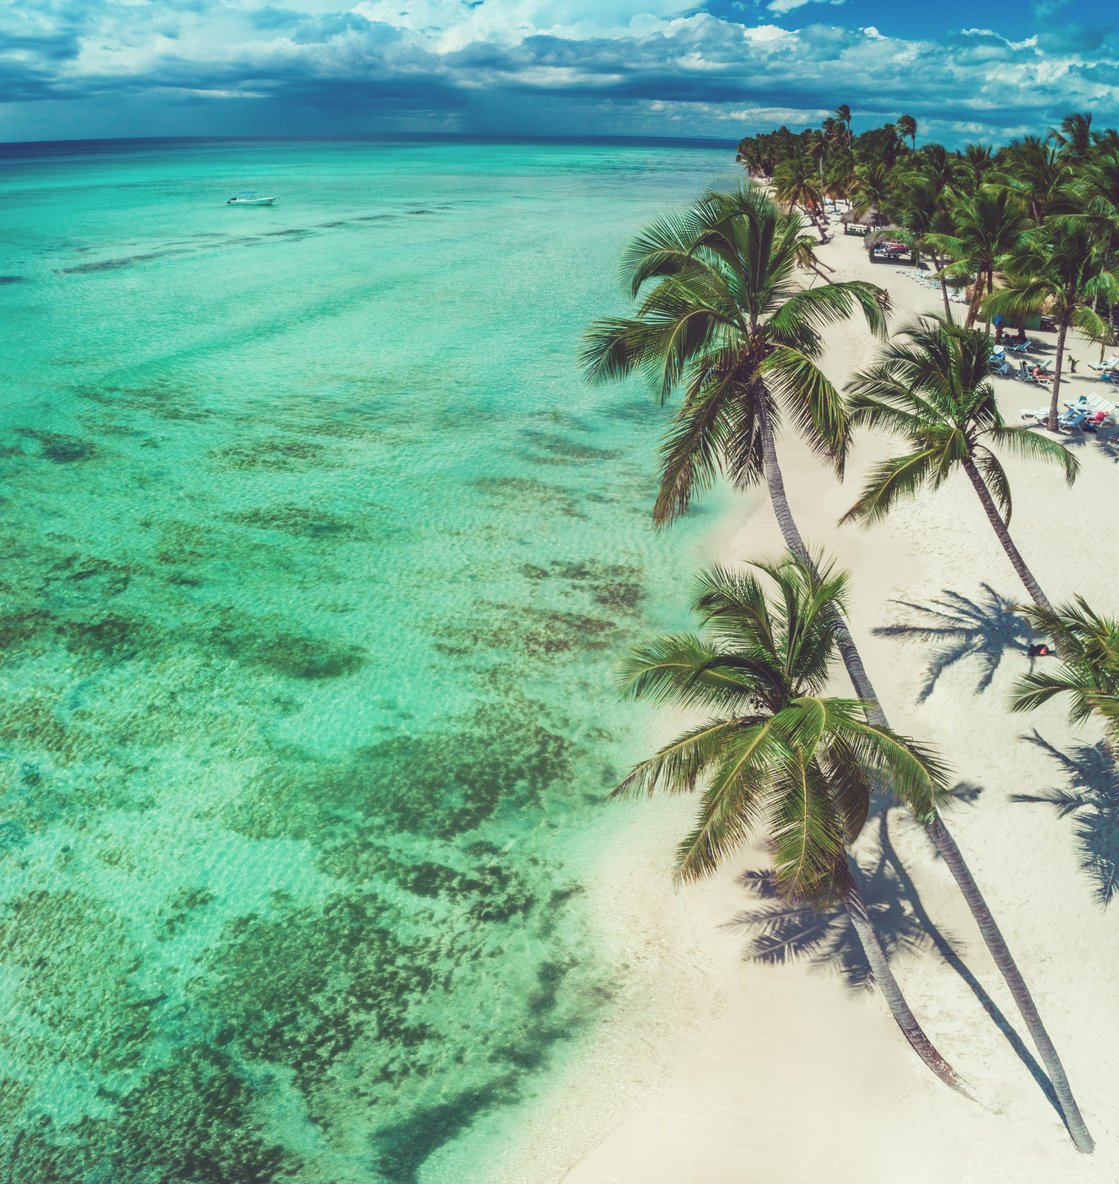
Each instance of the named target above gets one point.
<point>1029,226</point>
<point>726,328</point>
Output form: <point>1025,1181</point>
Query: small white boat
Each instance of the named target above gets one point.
<point>249,199</point>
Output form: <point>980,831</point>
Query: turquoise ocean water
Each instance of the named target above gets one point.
<point>317,557</point>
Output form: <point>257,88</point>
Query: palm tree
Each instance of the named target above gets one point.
<point>931,385</point>
<point>1074,136</point>
<point>794,184</point>
<point>987,226</point>
<point>872,192</point>
<point>1088,648</point>
<point>843,118</point>
<point>907,126</point>
<point>775,754</point>
<point>1058,266</point>
<point>724,318</point>
<point>922,210</point>
<point>976,162</point>
<point>937,167</point>
<point>1038,174</point>
<point>722,323</point>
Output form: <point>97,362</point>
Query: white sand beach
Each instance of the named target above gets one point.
<point>721,1070</point>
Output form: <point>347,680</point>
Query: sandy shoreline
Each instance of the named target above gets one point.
<point>718,1069</point>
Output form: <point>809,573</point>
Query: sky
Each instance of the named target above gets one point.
<point>77,69</point>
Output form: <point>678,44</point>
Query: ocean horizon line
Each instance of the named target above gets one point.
<point>116,143</point>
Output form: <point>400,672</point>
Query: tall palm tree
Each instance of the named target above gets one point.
<point>1097,187</point>
<point>1088,648</point>
<point>937,166</point>
<point>843,118</point>
<point>724,324</point>
<point>1058,266</point>
<point>723,317</point>
<point>987,226</point>
<point>775,754</point>
<point>907,126</point>
<point>976,163</point>
<point>931,385</point>
<point>922,211</point>
<point>872,192</point>
<point>795,185</point>
<point>1039,175</point>
<point>1074,136</point>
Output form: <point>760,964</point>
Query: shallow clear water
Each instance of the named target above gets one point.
<point>318,556</point>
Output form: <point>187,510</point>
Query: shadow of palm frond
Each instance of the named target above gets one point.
<point>984,628</point>
<point>1108,445</point>
<point>1092,795</point>
<point>782,932</point>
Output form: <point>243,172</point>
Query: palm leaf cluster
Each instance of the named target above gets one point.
<point>931,386</point>
<point>1087,672</point>
<point>775,753</point>
<point>1030,227</point>
<point>723,320</point>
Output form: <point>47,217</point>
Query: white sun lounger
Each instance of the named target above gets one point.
<point>1093,403</point>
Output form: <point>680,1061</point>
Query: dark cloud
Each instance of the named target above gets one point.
<point>699,74</point>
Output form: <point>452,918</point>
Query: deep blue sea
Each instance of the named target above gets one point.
<point>318,556</point>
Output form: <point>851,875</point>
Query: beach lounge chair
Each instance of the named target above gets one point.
<point>1020,347</point>
<point>1039,416</point>
<point>1035,374</point>
<point>1111,363</point>
<point>1094,405</point>
<point>1072,419</point>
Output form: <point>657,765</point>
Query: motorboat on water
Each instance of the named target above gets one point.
<point>249,198</point>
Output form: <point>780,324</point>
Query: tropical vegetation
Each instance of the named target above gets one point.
<point>1029,228</point>
<point>774,752</point>
<point>931,385</point>
<point>722,322</point>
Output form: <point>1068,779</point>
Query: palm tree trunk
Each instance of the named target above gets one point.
<point>943,290</point>
<point>934,828</point>
<point>1008,968</point>
<point>853,901</point>
<point>1054,405</point>
<point>999,526</point>
<point>886,983</point>
<point>790,532</point>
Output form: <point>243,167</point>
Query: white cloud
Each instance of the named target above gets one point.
<point>783,6</point>
<point>485,65</point>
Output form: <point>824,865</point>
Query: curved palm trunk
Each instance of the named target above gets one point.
<point>935,829</point>
<point>995,518</point>
<point>944,290</point>
<point>852,900</point>
<point>1054,403</point>
<point>886,983</point>
<point>976,297</point>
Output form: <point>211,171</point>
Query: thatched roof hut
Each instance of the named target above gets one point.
<point>871,217</point>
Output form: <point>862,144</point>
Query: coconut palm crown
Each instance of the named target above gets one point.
<point>723,318</point>
<point>931,385</point>
<point>774,748</point>
<point>1087,646</point>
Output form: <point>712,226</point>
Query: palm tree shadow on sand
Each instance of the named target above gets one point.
<point>1091,794</point>
<point>782,933</point>
<point>1109,445</point>
<point>984,628</point>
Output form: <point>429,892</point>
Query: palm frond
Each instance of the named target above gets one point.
<point>815,405</point>
<point>677,767</point>
<point>994,477</point>
<point>817,308</point>
<point>893,479</point>
<point>1028,443</point>
<point>686,671</point>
